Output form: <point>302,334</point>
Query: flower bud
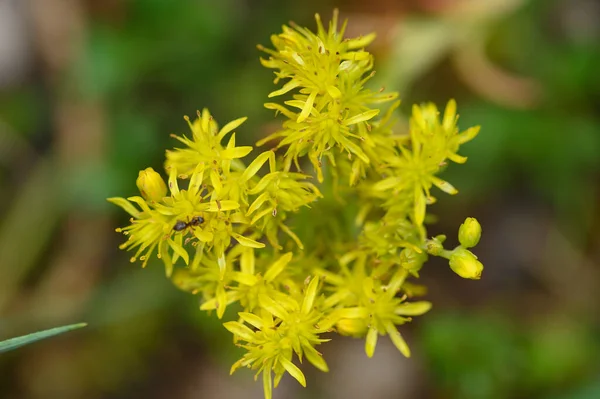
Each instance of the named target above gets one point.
<point>464,263</point>
<point>412,261</point>
<point>151,185</point>
<point>469,233</point>
<point>435,246</point>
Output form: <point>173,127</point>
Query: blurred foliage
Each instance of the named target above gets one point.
<point>469,355</point>
<point>144,63</point>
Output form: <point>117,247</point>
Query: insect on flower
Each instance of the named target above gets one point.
<point>180,225</point>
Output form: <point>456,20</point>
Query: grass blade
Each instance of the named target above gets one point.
<point>17,342</point>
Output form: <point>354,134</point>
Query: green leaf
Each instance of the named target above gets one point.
<point>17,342</point>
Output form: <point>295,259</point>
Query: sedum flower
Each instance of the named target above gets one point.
<point>209,280</point>
<point>222,224</point>
<point>331,107</point>
<point>277,332</point>
<point>379,311</point>
<point>413,172</point>
<point>205,148</point>
<point>157,224</point>
<point>366,304</point>
<point>278,191</point>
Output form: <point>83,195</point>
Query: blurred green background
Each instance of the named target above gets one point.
<point>91,89</point>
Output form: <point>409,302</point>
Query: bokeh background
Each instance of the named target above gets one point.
<point>91,89</point>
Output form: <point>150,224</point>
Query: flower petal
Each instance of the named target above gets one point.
<point>230,127</point>
<point>307,108</point>
<point>371,342</point>
<point>293,370</point>
<point>277,267</point>
<point>240,331</point>
<point>247,242</point>
<point>362,117</point>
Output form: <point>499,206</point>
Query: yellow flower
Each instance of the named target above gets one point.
<point>328,73</point>
<point>379,311</point>
<point>364,238</point>
<point>165,223</point>
<point>205,148</point>
<point>413,173</point>
<point>282,329</point>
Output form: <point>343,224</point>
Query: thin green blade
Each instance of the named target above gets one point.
<point>17,342</point>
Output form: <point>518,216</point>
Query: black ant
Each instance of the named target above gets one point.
<point>196,221</point>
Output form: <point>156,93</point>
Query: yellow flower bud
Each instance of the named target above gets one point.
<point>412,261</point>
<point>151,185</point>
<point>464,263</point>
<point>469,233</point>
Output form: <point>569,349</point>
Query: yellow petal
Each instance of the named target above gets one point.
<point>358,312</point>
<point>291,85</point>
<point>244,278</point>
<point>419,206</point>
<point>413,308</point>
<point>204,236</point>
<point>293,370</point>
<point>371,342</point>
<point>240,330</point>
<point>247,261</point>
<point>397,339</point>
<point>468,134</point>
<point>334,92</point>
<point>360,42</point>
<point>308,106</point>
<point>230,126</point>
<point>449,120</point>
<point>386,184</point>
<point>364,116</point>
<point>255,166</point>
<point>225,205</point>
<point>126,205</point>
<point>444,185</point>
<point>277,267</point>
<point>173,186</point>
<point>258,203</point>
<point>356,55</point>
<point>310,295</point>
<point>236,152</point>
<point>215,180</point>
<point>267,383</point>
<point>178,249</point>
<point>252,319</point>
<point>315,358</point>
<point>272,307</point>
<point>292,235</point>
<point>247,242</point>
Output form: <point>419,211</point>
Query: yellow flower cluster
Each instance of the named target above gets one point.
<point>261,237</point>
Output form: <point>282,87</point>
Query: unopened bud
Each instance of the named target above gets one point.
<point>469,233</point>
<point>464,263</point>
<point>412,261</point>
<point>435,246</point>
<point>151,185</point>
